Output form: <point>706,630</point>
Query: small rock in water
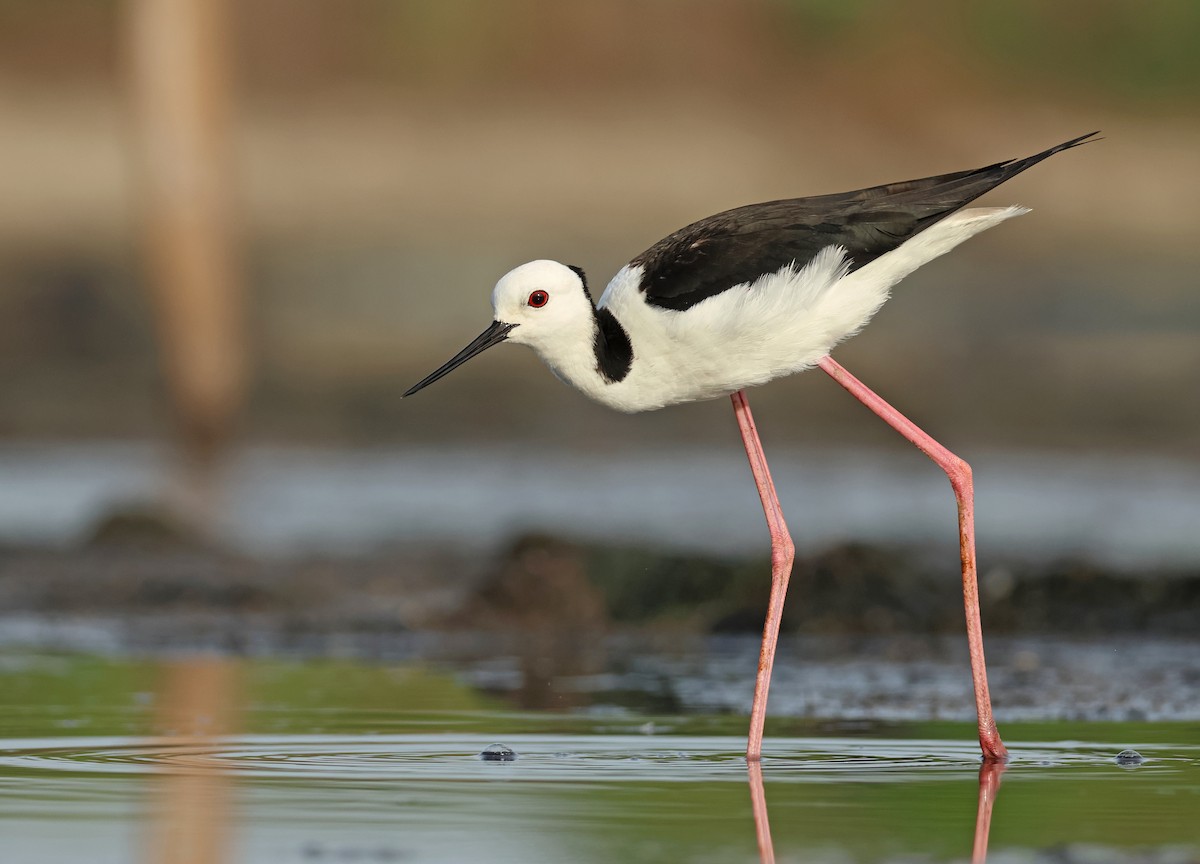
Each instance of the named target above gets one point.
<point>498,753</point>
<point>1130,757</point>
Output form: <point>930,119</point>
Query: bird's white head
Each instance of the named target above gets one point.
<point>540,299</point>
<point>536,304</point>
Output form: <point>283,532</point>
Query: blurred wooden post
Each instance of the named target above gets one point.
<point>180,55</point>
<point>190,808</point>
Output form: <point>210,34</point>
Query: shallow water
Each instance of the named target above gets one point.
<point>356,762</point>
<point>599,798</point>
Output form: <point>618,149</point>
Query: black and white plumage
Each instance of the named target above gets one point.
<point>742,297</point>
<point>748,295</point>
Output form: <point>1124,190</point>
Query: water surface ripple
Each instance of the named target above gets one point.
<point>592,759</point>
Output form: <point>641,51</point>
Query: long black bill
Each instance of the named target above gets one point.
<point>493,335</point>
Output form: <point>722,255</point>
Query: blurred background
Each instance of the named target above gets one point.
<point>231,234</point>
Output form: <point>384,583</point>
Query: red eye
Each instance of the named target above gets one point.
<point>538,299</point>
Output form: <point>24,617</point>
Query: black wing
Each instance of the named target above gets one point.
<point>738,246</point>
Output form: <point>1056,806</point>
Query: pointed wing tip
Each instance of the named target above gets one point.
<point>1089,138</point>
<point>1016,166</point>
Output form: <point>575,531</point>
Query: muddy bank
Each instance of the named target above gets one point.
<point>543,583</point>
<point>870,632</point>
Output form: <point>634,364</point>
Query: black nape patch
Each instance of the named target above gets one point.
<point>614,352</point>
<point>582,278</point>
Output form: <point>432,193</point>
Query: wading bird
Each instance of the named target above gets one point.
<point>748,295</point>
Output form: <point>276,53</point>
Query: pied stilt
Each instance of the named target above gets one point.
<point>748,295</point>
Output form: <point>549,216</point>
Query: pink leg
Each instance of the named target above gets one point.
<point>782,555</point>
<point>959,473</point>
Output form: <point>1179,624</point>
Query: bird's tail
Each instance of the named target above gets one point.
<point>961,188</point>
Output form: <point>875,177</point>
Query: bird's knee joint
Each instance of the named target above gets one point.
<point>959,471</point>
<point>783,551</point>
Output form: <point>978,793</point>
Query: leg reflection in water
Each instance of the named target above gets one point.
<point>758,803</point>
<point>989,785</point>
